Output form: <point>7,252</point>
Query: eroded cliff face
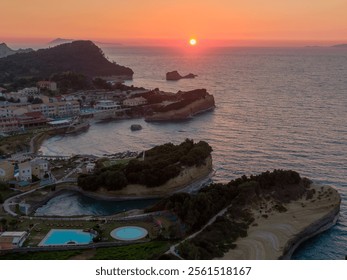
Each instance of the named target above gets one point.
<point>277,235</point>
<point>193,108</point>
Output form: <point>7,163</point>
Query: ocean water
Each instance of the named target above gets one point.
<point>75,204</point>
<point>276,108</point>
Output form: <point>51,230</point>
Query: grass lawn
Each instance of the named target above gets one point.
<point>145,251</point>
<point>56,255</point>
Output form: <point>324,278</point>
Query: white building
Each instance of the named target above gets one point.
<point>12,239</point>
<point>90,167</point>
<point>47,85</point>
<point>29,91</point>
<point>39,167</point>
<point>137,101</point>
<point>25,171</point>
<point>106,105</point>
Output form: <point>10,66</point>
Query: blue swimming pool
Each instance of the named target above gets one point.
<point>59,237</point>
<point>129,233</point>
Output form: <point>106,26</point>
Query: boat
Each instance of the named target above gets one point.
<point>77,125</point>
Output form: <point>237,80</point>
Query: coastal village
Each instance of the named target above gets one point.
<point>189,219</point>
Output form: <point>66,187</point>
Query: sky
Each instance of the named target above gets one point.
<point>214,22</point>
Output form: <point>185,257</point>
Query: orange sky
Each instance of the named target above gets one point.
<point>211,21</point>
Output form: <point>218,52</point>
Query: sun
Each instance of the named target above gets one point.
<point>192,42</point>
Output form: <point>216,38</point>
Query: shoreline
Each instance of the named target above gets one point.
<point>191,187</point>
<point>278,235</point>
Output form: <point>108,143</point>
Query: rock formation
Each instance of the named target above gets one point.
<point>175,76</point>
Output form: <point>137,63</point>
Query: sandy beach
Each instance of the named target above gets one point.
<point>277,235</point>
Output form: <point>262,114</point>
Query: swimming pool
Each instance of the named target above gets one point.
<point>129,233</point>
<point>60,237</point>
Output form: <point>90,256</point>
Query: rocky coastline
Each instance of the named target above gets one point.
<point>278,235</point>
<point>184,182</point>
<point>197,106</point>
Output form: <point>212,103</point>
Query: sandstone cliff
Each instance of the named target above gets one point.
<point>191,109</point>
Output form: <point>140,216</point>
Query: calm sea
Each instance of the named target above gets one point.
<point>276,108</point>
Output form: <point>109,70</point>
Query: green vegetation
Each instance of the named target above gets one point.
<point>5,192</point>
<point>240,195</point>
<point>160,165</point>
<point>144,251</point>
<point>216,239</point>
<point>15,143</point>
<point>82,57</point>
<point>53,255</point>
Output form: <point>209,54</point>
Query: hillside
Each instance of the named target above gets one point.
<point>82,57</point>
<point>6,51</point>
<point>160,164</point>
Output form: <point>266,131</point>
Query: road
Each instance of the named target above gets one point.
<point>172,249</point>
<point>10,201</point>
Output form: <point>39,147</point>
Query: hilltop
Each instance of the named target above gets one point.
<point>6,51</point>
<point>82,57</point>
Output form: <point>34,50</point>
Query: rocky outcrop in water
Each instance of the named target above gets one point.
<point>175,76</point>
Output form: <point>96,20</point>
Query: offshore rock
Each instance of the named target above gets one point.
<point>175,76</point>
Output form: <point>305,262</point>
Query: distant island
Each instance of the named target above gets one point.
<point>82,57</point>
<point>59,41</point>
<point>175,76</point>
<point>340,46</point>
<point>6,51</point>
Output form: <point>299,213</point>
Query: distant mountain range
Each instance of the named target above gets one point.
<point>59,41</point>
<point>82,57</point>
<point>340,46</point>
<point>6,51</point>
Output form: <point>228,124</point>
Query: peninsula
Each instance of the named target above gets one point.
<point>157,172</point>
<point>258,217</point>
<point>82,57</point>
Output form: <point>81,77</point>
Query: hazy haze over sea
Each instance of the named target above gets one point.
<point>276,108</point>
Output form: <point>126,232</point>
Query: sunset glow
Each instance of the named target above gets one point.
<point>192,42</point>
<point>137,21</point>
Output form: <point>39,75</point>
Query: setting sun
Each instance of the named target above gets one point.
<point>192,42</point>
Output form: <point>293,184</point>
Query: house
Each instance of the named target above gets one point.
<point>47,85</point>
<point>29,91</point>
<point>67,108</point>
<point>46,108</point>
<point>12,239</point>
<point>137,101</point>
<point>9,124</point>
<point>39,167</point>
<point>25,171</point>
<point>90,167</point>
<point>6,170</point>
<point>32,119</point>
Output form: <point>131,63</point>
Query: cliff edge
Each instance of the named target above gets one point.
<point>277,235</point>
<point>188,104</point>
